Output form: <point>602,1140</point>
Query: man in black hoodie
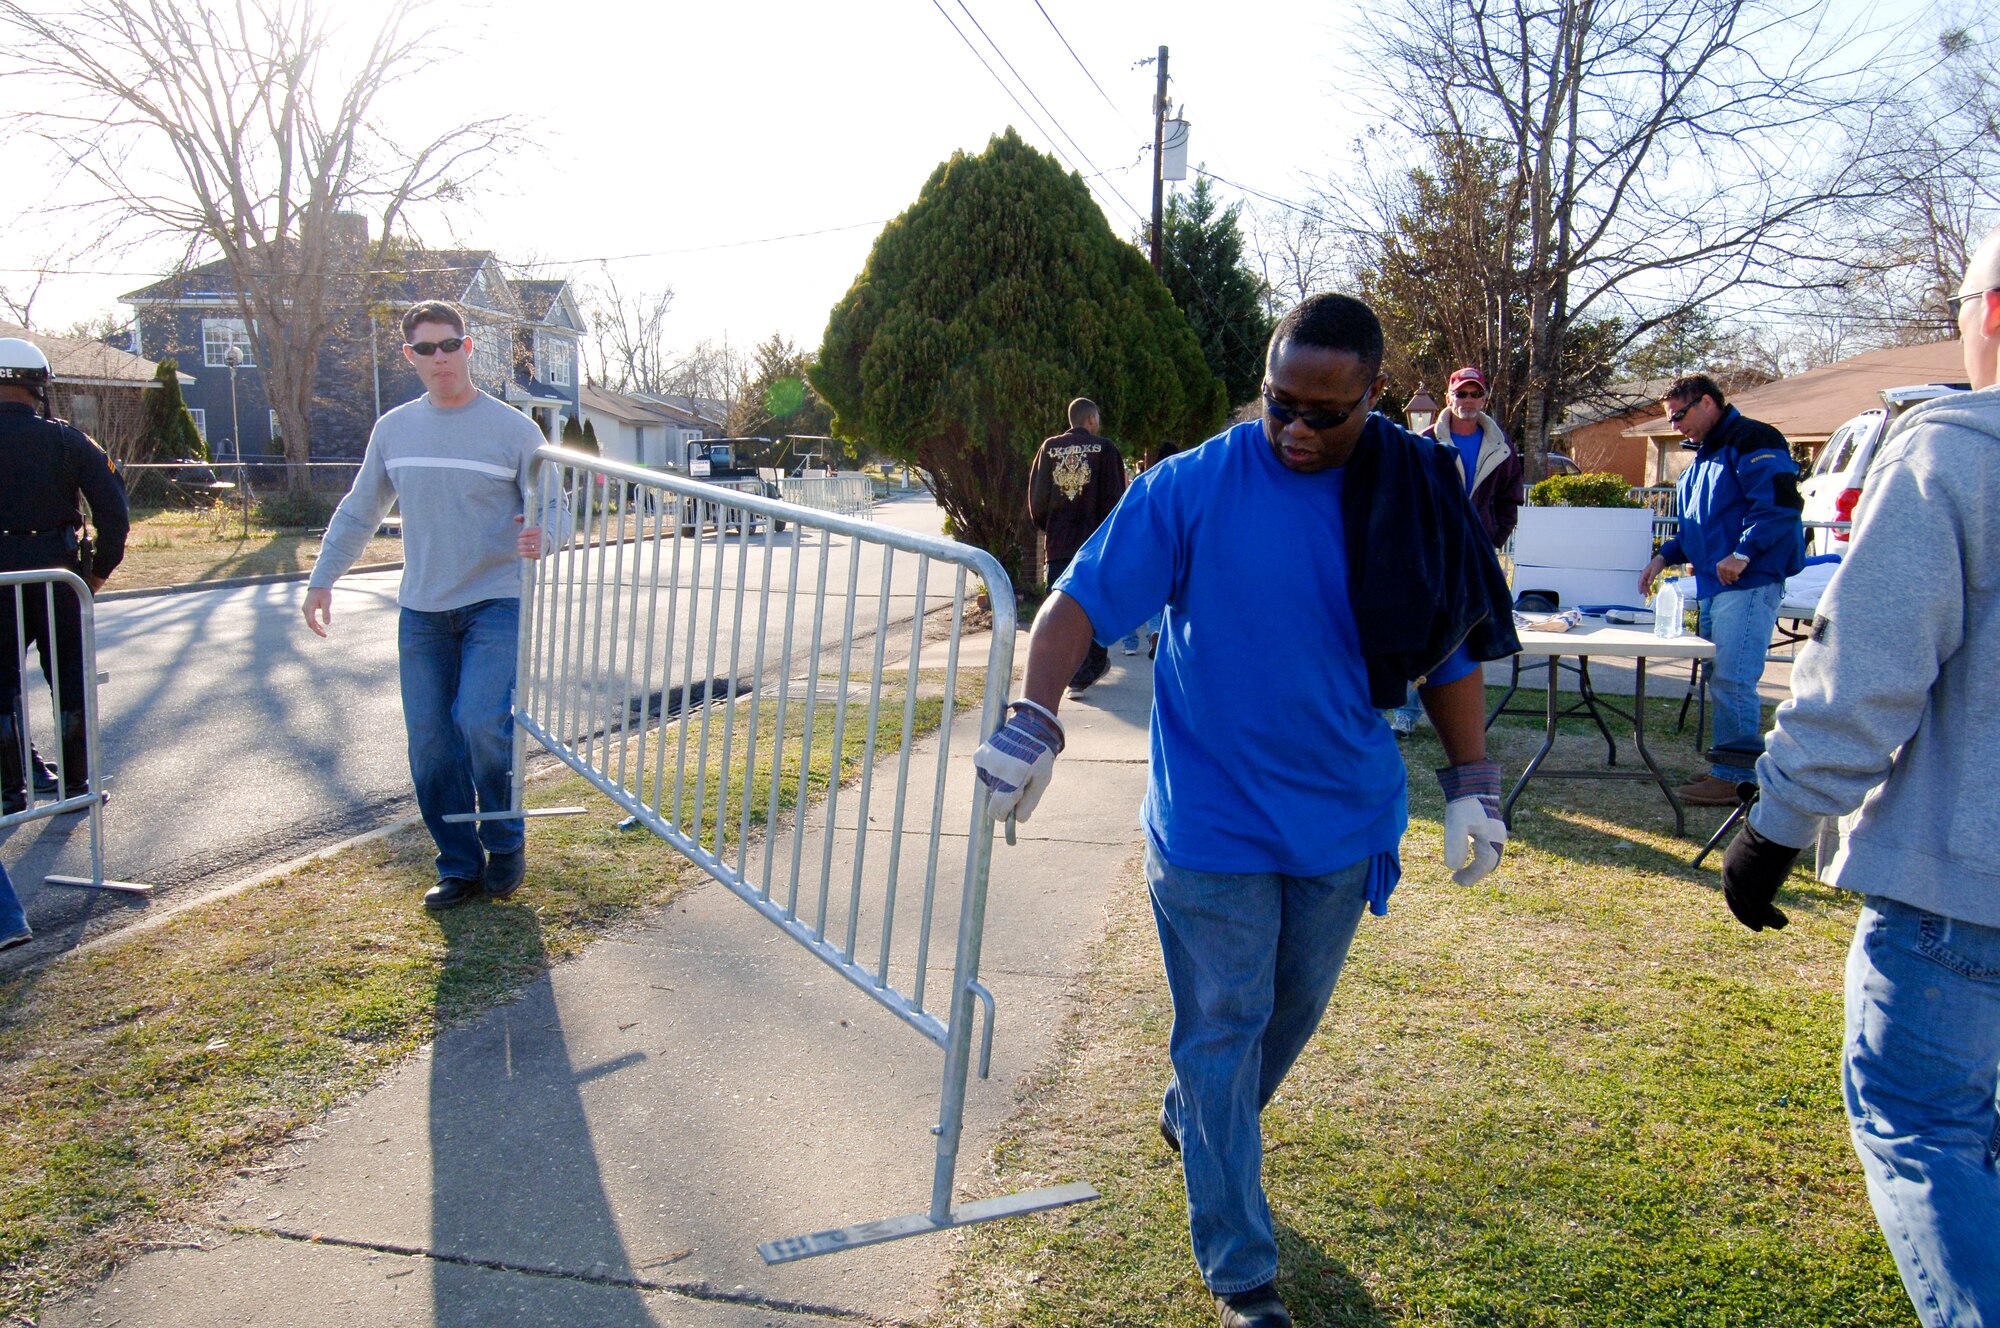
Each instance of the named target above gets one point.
<point>1077,479</point>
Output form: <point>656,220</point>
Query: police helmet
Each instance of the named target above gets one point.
<point>22,364</point>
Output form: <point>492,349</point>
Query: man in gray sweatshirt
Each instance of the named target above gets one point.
<point>458,462</point>
<point>1894,711</point>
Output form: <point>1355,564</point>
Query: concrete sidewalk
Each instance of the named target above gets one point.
<point>610,1148</point>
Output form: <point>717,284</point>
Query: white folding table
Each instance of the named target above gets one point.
<point>1605,641</point>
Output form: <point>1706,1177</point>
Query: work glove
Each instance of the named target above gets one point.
<point>1752,870</point>
<point>1015,763</point>
<point>1474,834</point>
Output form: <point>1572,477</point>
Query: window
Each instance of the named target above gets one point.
<point>84,414</point>
<point>552,359</point>
<point>218,335</point>
<point>277,434</point>
<point>200,421</point>
<point>489,352</point>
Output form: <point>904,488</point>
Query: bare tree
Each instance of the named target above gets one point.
<point>1659,152</point>
<point>711,369</point>
<point>1298,251</point>
<point>250,130</point>
<point>18,303</point>
<point>627,350</point>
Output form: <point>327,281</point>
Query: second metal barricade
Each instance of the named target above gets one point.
<point>778,706</point>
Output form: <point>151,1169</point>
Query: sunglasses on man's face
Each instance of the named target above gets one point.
<point>450,346</point>
<point>1676,416</point>
<point>1312,419</point>
<point>1473,392</point>
<point>1953,303</point>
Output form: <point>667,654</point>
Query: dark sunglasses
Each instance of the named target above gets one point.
<point>1465,392</point>
<point>1312,419</point>
<point>1953,303</point>
<point>450,346</point>
<point>1676,416</point>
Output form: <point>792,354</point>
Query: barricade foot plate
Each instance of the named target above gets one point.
<point>458,818</point>
<point>85,883</point>
<point>792,1248</point>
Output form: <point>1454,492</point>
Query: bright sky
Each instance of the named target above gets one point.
<point>681,141</point>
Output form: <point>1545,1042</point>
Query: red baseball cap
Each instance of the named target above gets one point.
<point>1466,375</point>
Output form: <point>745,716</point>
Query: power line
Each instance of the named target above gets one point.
<point>1086,69</point>
<point>1053,119</point>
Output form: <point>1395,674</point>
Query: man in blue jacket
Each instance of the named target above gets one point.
<point>1740,529</point>
<point>1333,558</point>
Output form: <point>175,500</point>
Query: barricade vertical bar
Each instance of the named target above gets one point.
<point>650,543</point>
<point>562,685</point>
<point>620,675</point>
<point>839,759</point>
<point>756,710</point>
<point>708,684</point>
<point>597,722</point>
<point>778,742</point>
<point>868,756</point>
<point>524,662</point>
<point>806,749</point>
<point>911,681</point>
<point>729,696</point>
<point>937,792</point>
<point>687,676</point>
<point>971,918</point>
<point>667,662</point>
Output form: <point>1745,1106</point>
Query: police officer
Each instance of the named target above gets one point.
<point>44,464</point>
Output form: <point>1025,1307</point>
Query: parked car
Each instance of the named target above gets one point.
<point>1833,487</point>
<point>1562,465</point>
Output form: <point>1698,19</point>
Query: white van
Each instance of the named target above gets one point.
<point>1832,489</point>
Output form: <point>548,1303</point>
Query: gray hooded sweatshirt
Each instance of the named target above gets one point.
<point>1895,705</point>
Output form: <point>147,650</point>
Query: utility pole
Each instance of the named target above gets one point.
<point>1159,144</point>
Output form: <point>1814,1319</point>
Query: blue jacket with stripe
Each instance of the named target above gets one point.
<point>1740,496</point>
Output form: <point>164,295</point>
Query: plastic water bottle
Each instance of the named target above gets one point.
<point>1670,609</point>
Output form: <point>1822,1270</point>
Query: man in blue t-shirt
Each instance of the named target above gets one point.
<point>1275,801</point>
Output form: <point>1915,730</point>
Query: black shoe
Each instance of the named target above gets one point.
<point>13,800</point>
<point>1092,670</point>
<point>1172,1140</point>
<point>12,939</point>
<point>42,772</point>
<point>450,893</point>
<point>1258,1307</point>
<point>504,872</point>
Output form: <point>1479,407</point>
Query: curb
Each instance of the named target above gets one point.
<point>230,583</point>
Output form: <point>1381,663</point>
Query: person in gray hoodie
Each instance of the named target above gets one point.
<point>1894,712</point>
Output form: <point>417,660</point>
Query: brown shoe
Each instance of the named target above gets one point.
<point>1708,791</point>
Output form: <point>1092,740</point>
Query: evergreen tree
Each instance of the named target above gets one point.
<point>589,442</point>
<point>166,430</point>
<point>1201,260</point>
<point>778,398</point>
<point>991,302</point>
<point>572,431</point>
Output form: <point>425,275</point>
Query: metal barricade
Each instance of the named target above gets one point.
<point>731,692</point>
<point>33,596</point>
<point>845,495</point>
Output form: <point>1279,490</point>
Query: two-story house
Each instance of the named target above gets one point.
<point>526,339</point>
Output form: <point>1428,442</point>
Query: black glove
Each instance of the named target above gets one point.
<point>1752,870</point>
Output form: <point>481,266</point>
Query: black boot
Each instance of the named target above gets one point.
<point>13,784</point>
<point>41,772</point>
<point>75,754</point>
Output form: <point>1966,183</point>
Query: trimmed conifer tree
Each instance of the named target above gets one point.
<point>589,440</point>
<point>995,299</point>
<point>167,432</point>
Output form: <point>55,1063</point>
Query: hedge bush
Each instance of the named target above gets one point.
<point>1595,489</point>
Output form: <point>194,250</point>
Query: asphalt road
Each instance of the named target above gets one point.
<point>236,741</point>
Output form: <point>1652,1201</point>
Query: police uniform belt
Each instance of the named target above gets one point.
<point>36,534</point>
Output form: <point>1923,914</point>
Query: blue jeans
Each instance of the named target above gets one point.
<point>1921,1073</point>
<point>1740,622</point>
<point>13,918</point>
<point>458,691</point>
<point>1412,708</point>
<point>1251,962</point>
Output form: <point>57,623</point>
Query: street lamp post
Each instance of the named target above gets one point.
<point>1422,410</point>
<point>234,357</point>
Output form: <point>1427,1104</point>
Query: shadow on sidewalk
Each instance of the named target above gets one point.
<point>515,1180</point>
